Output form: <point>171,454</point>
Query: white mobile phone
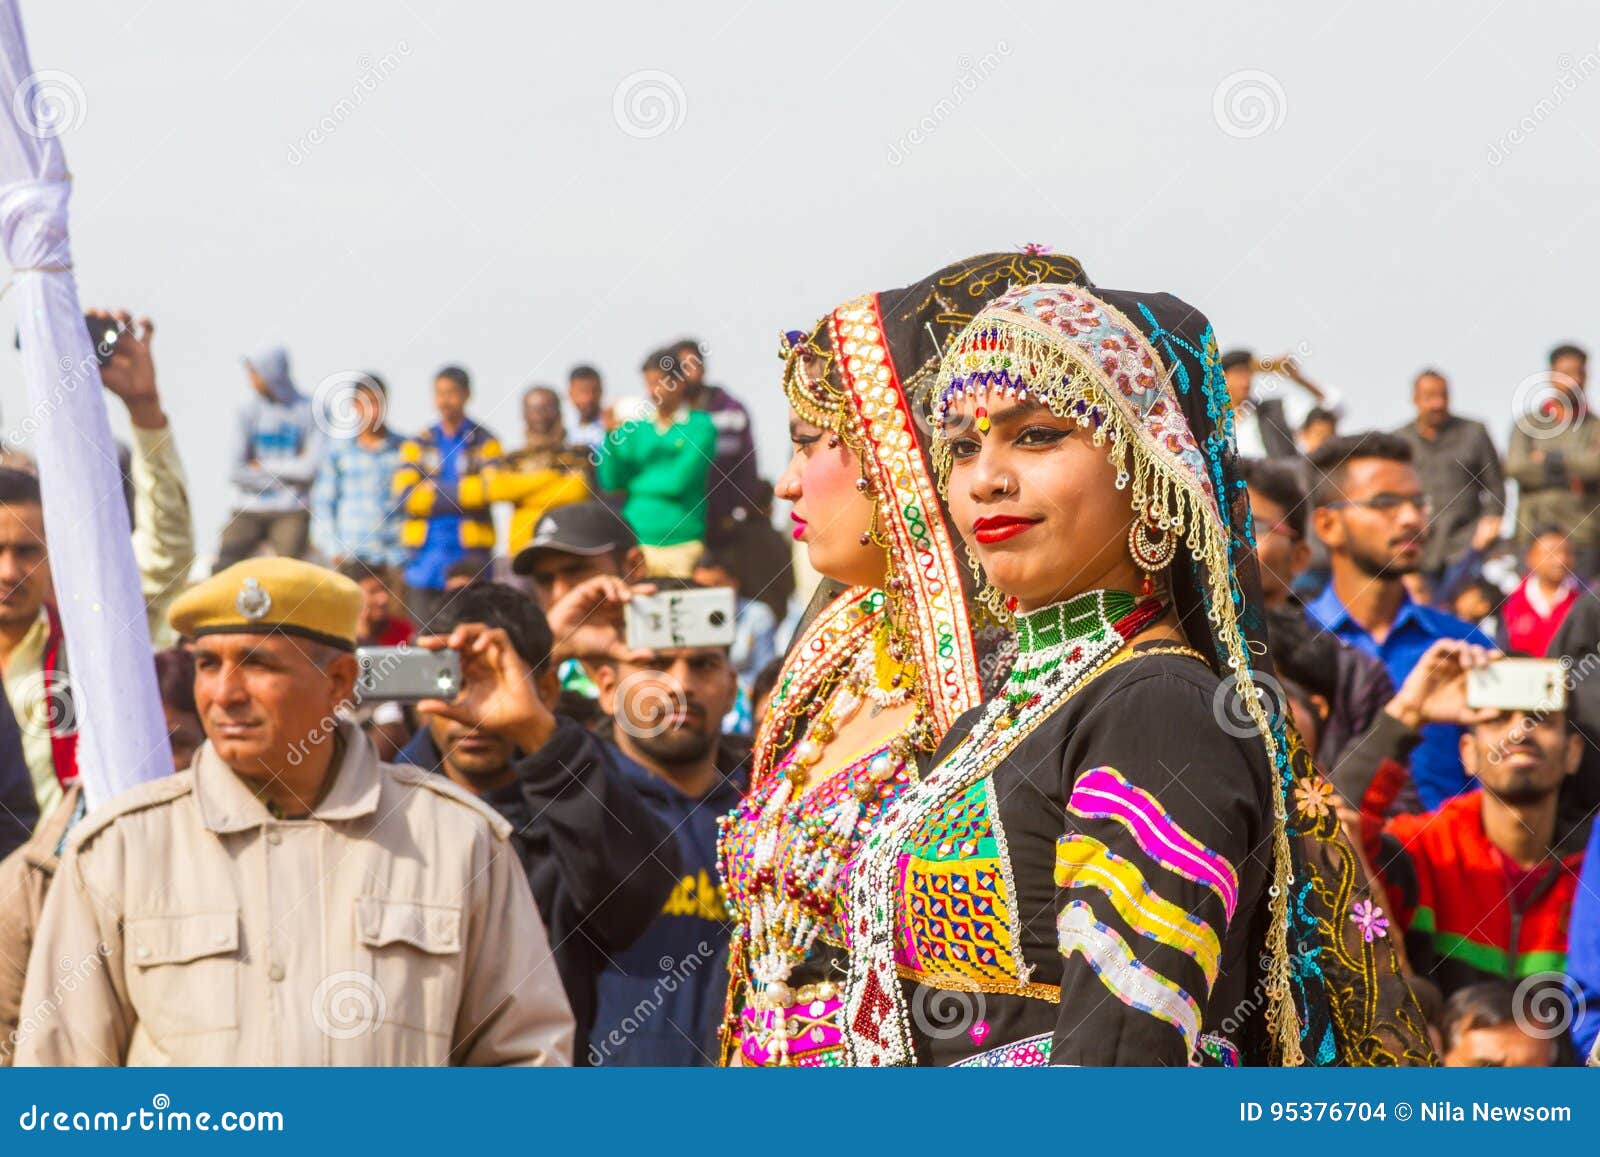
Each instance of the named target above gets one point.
<point>692,618</point>
<point>1518,685</point>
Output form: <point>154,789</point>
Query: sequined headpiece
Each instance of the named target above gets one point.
<point>1078,355</point>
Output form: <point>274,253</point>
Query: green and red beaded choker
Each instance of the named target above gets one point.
<point>1056,642</point>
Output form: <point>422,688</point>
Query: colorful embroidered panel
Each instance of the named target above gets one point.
<point>955,917</point>
<point>908,508</point>
<point>1129,979</point>
<point>1102,793</point>
<point>1084,862</point>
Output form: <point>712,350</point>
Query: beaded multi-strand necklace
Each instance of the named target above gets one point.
<point>789,899</point>
<point>1059,649</point>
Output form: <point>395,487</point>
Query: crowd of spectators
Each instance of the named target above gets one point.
<point>1394,563</point>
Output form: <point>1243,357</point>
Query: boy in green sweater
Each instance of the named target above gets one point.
<point>662,465</point>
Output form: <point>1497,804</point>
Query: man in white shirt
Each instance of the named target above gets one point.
<point>587,395</point>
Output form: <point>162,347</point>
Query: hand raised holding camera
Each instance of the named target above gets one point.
<point>587,621</point>
<point>130,372</point>
<point>1436,689</point>
<point>499,693</point>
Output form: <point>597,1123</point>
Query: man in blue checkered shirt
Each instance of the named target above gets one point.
<point>353,512</point>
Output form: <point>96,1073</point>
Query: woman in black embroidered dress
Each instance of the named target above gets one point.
<point>1101,868</point>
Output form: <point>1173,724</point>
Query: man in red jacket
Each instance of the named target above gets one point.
<point>1534,612</point>
<point>1479,886</point>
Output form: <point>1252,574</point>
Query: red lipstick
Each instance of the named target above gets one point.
<point>999,527</point>
<point>799,525</point>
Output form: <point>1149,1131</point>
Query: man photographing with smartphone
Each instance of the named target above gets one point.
<point>665,705</point>
<point>599,860</point>
<point>1481,887</point>
<point>619,834</point>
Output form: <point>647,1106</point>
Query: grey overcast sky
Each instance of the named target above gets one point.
<point>399,185</point>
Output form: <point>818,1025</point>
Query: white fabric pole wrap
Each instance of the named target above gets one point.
<point>122,734</point>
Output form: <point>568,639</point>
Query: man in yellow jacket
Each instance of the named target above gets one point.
<point>438,532</point>
<point>545,474</point>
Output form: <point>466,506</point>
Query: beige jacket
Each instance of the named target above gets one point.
<point>163,529</point>
<point>392,927</point>
<point>25,877</point>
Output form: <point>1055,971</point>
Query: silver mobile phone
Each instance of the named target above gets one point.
<point>406,674</point>
<point>1518,685</point>
<point>691,618</point>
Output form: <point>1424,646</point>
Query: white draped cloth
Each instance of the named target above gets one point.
<point>122,734</point>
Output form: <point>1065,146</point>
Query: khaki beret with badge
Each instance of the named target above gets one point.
<point>263,596</point>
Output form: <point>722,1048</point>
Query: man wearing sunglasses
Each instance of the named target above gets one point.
<point>1370,511</point>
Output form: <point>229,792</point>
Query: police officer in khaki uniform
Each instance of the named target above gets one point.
<point>289,900</point>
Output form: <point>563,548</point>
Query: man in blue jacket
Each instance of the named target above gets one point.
<point>599,860</point>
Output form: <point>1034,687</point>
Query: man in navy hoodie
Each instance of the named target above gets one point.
<point>600,861</point>
<point>660,1000</point>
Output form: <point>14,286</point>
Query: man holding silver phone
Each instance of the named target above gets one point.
<point>666,694</point>
<point>600,861</point>
<point>1483,886</point>
<point>665,683</point>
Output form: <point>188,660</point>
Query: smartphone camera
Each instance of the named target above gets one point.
<point>406,674</point>
<point>103,335</point>
<point>701,617</point>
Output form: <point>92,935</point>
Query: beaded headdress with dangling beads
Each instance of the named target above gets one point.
<point>1141,372</point>
<point>859,373</point>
